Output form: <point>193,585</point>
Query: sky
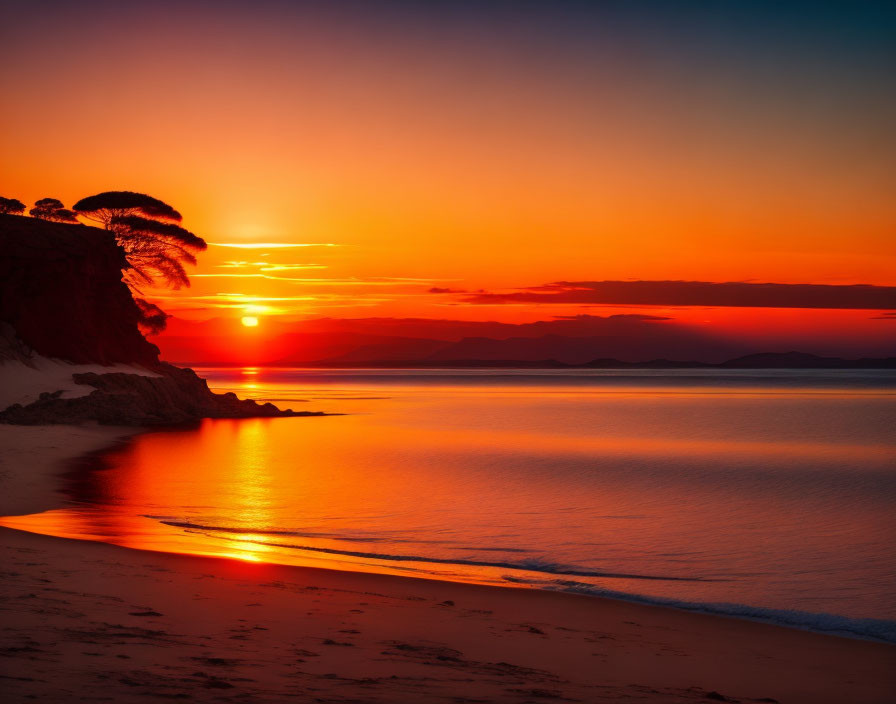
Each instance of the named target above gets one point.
<point>482,161</point>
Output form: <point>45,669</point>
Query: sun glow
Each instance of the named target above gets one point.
<point>250,321</point>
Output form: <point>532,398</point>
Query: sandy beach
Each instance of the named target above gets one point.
<point>94,622</point>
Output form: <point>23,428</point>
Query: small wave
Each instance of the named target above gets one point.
<point>831,624</point>
<point>271,399</point>
<point>254,531</point>
<point>529,565</point>
<point>525,565</point>
<point>352,398</point>
<point>187,525</point>
<point>475,549</point>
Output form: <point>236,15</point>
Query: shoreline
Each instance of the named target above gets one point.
<point>49,451</point>
<point>468,642</point>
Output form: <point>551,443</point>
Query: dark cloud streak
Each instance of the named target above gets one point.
<point>699,293</point>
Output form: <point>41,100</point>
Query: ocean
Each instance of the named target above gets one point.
<point>768,495</point>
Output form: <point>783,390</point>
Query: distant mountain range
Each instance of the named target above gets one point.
<point>620,341</point>
<point>762,360</point>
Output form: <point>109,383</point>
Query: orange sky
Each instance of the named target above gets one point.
<point>435,151</point>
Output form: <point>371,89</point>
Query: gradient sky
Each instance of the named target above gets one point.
<point>473,146</point>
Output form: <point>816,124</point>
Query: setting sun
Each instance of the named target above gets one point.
<point>250,321</point>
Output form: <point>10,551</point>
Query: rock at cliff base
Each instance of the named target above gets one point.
<point>176,396</point>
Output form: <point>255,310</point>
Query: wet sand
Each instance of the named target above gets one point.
<point>85,621</point>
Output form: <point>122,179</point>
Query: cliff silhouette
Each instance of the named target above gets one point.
<point>62,293</point>
<point>62,297</point>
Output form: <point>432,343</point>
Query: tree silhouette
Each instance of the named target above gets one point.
<point>11,206</point>
<point>157,251</point>
<point>152,318</point>
<point>103,207</point>
<point>52,209</point>
<point>156,247</point>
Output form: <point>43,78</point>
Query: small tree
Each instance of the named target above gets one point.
<point>11,206</point>
<point>104,207</point>
<point>156,247</point>
<point>52,209</point>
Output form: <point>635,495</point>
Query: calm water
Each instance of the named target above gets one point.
<point>762,494</point>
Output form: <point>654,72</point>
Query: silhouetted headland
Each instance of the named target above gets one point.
<point>62,297</point>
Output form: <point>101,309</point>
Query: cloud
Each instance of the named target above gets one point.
<point>271,245</point>
<point>290,267</point>
<point>244,276</point>
<point>374,281</point>
<point>370,281</point>
<point>265,266</point>
<point>240,264</point>
<point>262,304</point>
<point>438,289</point>
<point>697,293</point>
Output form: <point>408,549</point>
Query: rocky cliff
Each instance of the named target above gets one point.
<point>61,290</point>
<point>61,296</point>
